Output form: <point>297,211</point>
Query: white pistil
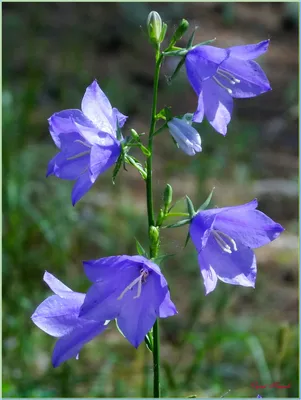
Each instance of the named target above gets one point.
<point>141,279</point>
<point>221,242</point>
<point>221,85</point>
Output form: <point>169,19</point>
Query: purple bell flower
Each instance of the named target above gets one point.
<point>87,141</point>
<point>58,316</point>
<point>217,75</point>
<point>224,239</point>
<point>132,290</point>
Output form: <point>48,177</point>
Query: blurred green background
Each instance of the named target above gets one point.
<point>220,342</point>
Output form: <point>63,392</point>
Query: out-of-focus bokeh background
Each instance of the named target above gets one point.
<point>220,342</point>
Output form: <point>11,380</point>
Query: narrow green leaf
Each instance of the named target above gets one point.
<point>140,249</point>
<point>207,201</point>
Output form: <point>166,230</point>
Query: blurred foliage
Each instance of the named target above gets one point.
<point>225,341</point>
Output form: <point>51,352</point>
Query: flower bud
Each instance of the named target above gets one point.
<point>185,135</point>
<point>160,218</point>
<point>154,27</point>
<point>135,135</point>
<point>154,239</point>
<point>167,196</point>
<point>181,29</point>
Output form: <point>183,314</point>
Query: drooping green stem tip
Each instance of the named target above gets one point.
<point>153,241</point>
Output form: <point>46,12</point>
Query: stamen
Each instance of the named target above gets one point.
<point>221,242</point>
<point>221,85</point>
<point>139,289</point>
<point>141,279</point>
<point>229,238</point>
<point>129,287</point>
<point>228,76</point>
<point>78,155</point>
<point>83,143</point>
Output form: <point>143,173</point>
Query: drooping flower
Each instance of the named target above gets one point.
<point>132,290</point>
<point>185,135</point>
<point>224,239</point>
<point>58,316</point>
<point>217,75</point>
<point>87,140</point>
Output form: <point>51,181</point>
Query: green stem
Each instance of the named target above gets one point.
<point>151,217</point>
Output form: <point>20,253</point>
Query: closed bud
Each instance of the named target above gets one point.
<point>135,135</point>
<point>187,138</point>
<point>154,236</point>
<point>181,29</point>
<point>154,27</point>
<point>167,196</point>
<point>160,218</point>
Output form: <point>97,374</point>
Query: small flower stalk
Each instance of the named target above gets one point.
<point>131,290</point>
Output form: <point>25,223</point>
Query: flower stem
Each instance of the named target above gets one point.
<point>151,217</point>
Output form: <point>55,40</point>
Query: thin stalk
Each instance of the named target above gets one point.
<point>151,217</point>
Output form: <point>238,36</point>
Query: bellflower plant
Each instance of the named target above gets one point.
<point>217,75</point>
<point>224,239</point>
<point>87,141</point>
<point>132,289</point>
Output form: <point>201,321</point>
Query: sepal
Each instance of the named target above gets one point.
<point>149,341</point>
<point>179,223</point>
<point>207,201</point>
<point>190,207</point>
